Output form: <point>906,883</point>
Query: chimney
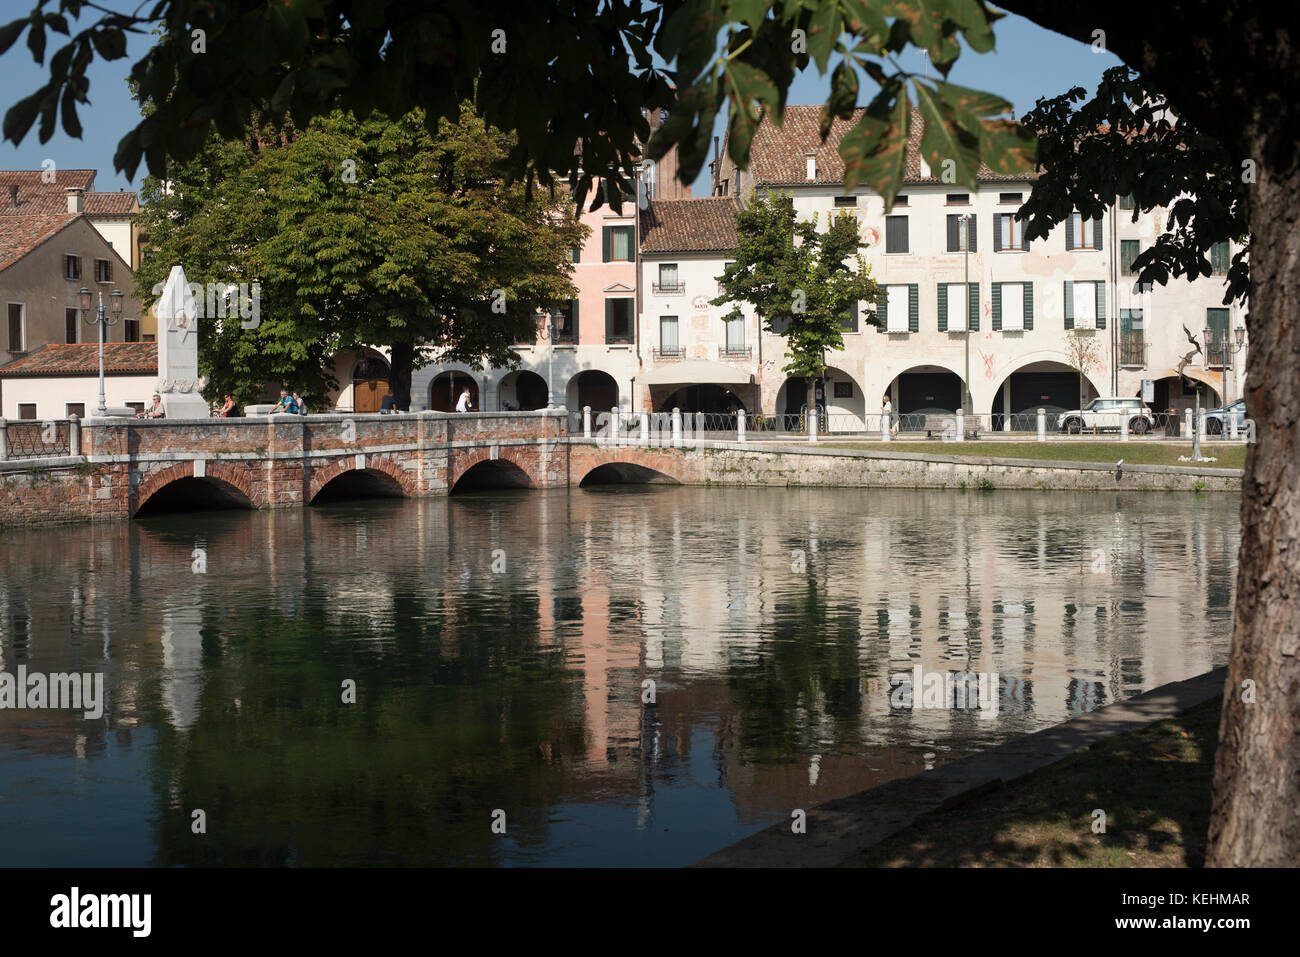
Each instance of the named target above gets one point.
<point>13,194</point>
<point>74,199</point>
<point>811,159</point>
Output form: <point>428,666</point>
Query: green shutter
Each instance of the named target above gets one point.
<point>882,312</point>
<point>913,308</point>
<point>997,307</point>
<point>943,307</point>
<point>609,316</point>
<point>574,322</point>
<point>1069,304</point>
<point>604,242</point>
<point>1101,303</point>
<point>1097,232</point>
<point>1069,234</point>
<point>1029,305</point>
<point>973,306</point>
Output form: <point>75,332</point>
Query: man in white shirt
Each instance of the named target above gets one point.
<point>464,404</point>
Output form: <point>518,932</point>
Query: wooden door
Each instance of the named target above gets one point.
<point>368,395</point>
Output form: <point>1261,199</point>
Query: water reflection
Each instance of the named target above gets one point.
<point>500,645</point>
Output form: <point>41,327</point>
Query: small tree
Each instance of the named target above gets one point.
<point>1083,354</point>
<point>800,282</point>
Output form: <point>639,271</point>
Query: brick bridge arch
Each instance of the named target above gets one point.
<point>584,459</point>
<point>226,474</point>
<point>374,463</point>
<point>525,458</point>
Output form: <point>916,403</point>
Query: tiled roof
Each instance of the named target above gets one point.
<point>706,224</point>
<point>778,155</point>
<point>31,179</point>
<point>83,359</point>
<point>39,198</point>
<point>19,235</point>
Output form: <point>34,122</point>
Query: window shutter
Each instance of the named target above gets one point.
<point>609,315</point>
<point>997,233</point>
<point>1024,243</point>
<point>973,236</point>
<point>604,243</point>
<point>913,308</point>
<point>882,311</point>
<point>1029,305</point>
<point>997,305</point>
<point>1097,233</point>
<point>573,322</point>
<point>973,306</point>
<point>954,234</point>
<point>943,307</point>
<point>1069,304</point>
<point>1069,232</point>
<point>1101,303</point>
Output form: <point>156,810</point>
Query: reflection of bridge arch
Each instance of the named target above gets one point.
<point>382,477</point>
<point>223,486</point>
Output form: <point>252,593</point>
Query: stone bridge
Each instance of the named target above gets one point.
<point>270,461</point>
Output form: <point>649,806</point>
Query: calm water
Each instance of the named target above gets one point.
<point>499,643</point>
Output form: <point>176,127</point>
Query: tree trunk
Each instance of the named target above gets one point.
<point>1257,767</point>
<point>401,365</point>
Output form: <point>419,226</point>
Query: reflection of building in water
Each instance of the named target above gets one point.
<point>182,664</point>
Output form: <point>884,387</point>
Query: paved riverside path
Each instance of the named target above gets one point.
<point>839,830</point>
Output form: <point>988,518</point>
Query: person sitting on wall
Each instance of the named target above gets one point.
<point>227,408</point>
<point>301,405</point>
<point>154,411</point>
<point>465,404</point>
<point>286,404</point>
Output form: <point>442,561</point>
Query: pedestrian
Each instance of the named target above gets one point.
<point>302,406</point>
<point>887,410</point>
<point>464,404</point>
<point>285,404</point>
<point>227,408</point>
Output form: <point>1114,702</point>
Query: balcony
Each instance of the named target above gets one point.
<point>668,353</point>
<point>668,288</point>
<point>1132,351</point>
<point>734,352</point>
<point>1218,353</point>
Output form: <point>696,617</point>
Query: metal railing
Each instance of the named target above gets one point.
<point>668,288</point>
<point>1218,354</point>
<point>670,353</point>
<point>31,439</point>
<point>735,352</point>
<point>1132,351</point>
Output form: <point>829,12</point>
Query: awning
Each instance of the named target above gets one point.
<point>696,372</point>
<point>1213,379</point>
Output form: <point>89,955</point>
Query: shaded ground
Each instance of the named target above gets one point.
<point>1134,453</point>
<point>1153,784</point>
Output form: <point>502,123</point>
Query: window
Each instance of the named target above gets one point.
<point>1132,350</point>
<point>668,282</point>
<point>1008,234</point>
<point>1127,202</point>
<point>668,335</point>
<point>846,201</point>
<point>617,243</point>
<point>16,337</point>
<point>75,408</point>
<point>131,330</point>
<point>896,234</point>
<point>900,200</point>
<point>899,311</point>
<point>850,322</point>
<point>1013,306</point>
<point>618,320</point>
<point>1082,233</point>
<point>149,337</point>
<point>843,390</point>
<point>27,410</point>
<point>1216,346</point>
<point>137,406</point>
<point>1128,252</point>
<point>1010,198</point>
<point>958,226</point>
<point>565,316</point>
<point>1085,305</point>
<point>1220,259</point>
<point>575,254</point>
<point>103,270</point>
<point>70,326</point>
<point>736,335</point>
<point>71,267</point>
<point>959,306</point>
<point>959,199</point>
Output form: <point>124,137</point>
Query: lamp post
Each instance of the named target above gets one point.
<point>966,403</point>
<point>550,358</point>
<point>1231,349</point>
<point>102,320</point>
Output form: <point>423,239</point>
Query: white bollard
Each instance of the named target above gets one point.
<point>961,426</point>
<point>1123,428</point>
<point>645,428</point>
<point>884,427</point>
<point>1187,422</point>
<point>740,425</point>
<point>677,428</point>
<point>4,440</point>
<point>1200,426</point>
<point>586,421</point>
<point>812,426</point>
<point>1232,425</point>
<point>1042,425</point>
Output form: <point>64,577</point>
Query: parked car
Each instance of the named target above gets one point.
<point>1107,413</point>
<point>1216,419</point>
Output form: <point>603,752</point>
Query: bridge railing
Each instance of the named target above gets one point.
<point>36,439</point>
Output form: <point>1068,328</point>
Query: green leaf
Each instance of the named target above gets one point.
<point>1007,148</point>
<point>964,100</point>
<point>752,84</point>
<point>976,22</point>
<point>71,125</point>
<point>110,44</point>
<point>823,30</point>
<point>866,22</point>
<point>875,151</point>
<point>749,12</point>
<point>20,117</point>
<point>36,38</point>
<point>10,32</point>
<point>944,140</point>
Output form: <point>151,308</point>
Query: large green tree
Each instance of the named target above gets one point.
<point>800,281</point>
<point>575,79</point>
<point>361,232</point>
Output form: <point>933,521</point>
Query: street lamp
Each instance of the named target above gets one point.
<point>102,320</point>
<point>966,404</point>
<point>550,358</point>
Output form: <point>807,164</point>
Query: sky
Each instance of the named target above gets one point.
<point>1029,62</point>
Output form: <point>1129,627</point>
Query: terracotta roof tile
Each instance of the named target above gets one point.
<point>778,155</point>
<point>83,359</point>
<point>19,235</point>
<point>29,180</point>
<point>704,224</point>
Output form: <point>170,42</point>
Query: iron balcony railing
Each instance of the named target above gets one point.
<point>668,353</point>
<point>668,288</point>
<point>1218,354</point>
<point>734,352</point>
<point>1132,351</point>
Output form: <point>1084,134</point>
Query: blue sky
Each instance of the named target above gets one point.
<point>1029,62</point>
